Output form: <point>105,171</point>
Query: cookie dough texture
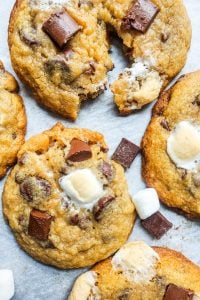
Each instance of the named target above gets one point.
<point>76,238</point>
<point>12,120</point>
<point>61,80</point>
<point>163,266</point>
<point>177,187</point>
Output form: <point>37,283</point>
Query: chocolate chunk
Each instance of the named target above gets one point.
<point>101,205</point>
<point>34,188</point>
<point>58,68</point>
<point>174,292</point>
<point>106,169</point>
<point>29,37</point>
<point>80,221</point>
<point>140,16</point>
<point>157,225</point>
<point>39,224</point>
<point>61,27</point>
<point>125,153</point>
<point>165,124</point>
<point>164,37</point>
<point>79,151</point>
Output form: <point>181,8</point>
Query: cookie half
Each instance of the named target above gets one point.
<point>12,120</point>
<point>66,202</point>
<point>137,272</point>
<point>171,144</point>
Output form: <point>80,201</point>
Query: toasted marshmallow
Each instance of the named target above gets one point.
<point>83,187</point>
<point>183,145</point>
<point>85,288</point>
<point>146,203</point>
<point>137,261</point>
<point>7,288</point>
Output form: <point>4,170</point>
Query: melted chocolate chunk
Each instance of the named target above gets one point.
<point>157,225</point>
<point>79,151</point>
<point>165,124</point>
<point>106,169</point>
<point>80,221</point>
<point>125,153</point>
<point>59,66</point>
<point>39,224</point>
<point>174,292</point>
<point>61,27</point>
<point>140,16</point>
<point>101,205</point>
<point>29,37</point>
<point>34,188</point>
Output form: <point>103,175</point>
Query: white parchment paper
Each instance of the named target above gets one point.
<point>35,281</point>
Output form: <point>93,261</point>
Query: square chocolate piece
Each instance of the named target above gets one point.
<point>61,27</point>
<point>125,153</point>
<point>39,224</point>
<point>140,16</point>
<point>174,292</point>
<point>157,225</point>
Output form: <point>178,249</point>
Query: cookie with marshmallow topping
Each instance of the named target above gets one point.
<point>137,272</point>
<point>171,147</point>
<point>66,201</point>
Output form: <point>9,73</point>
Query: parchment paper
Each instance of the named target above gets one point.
<point>35,281</point>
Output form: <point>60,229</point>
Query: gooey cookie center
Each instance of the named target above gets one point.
<point>183,145</point>
<point>82,186</point>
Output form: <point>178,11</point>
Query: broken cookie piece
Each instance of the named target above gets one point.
<point>136,86</point>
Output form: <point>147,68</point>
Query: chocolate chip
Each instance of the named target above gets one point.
<point>61,27</point>
<point>164,37</point>
<point>101,205</point>
<point>80,221</point>
<point>106,169</point>
<point>165,124</point>
<point>125,153</point>
<point>157,225</point>
<point>174,292</point>
<point>39,224</point>
<point>91,69</point>
<point>34,188</point>
<point>140,16</point>
<point>79,151</point>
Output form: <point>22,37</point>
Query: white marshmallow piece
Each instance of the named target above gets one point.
<point>146,203</point>
<point>7,288</point>
<point>82,186</point>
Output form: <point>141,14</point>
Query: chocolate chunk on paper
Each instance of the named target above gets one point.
<point>79,151</point>
<point>157,225</point>
<point>140,16</point>
<point>125,153</point>
<point>39,224</point>
<point>101,205</point>
<point>61,27</point>
<point>174,292</point>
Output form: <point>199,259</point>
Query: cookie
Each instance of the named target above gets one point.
<point>137,272</point>
<point>67,44</point>
<point>12,120</point>
<point>171,147</point>
<point>69,206</point>
<point>155,54</point>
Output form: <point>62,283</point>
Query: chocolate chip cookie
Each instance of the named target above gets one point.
<point>12,120</point>
<point>137,272</point>
<point>171,147</point>
<point>61,49</point>
<point>66,202</point>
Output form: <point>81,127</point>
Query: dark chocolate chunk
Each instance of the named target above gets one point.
<point>29,37</point>
<point>34,188</point>
<point>79,151</point>
<point>165,124</point>
<point>61,27</point>
<point>101,205</point>
<point>174,292</point>
<point>125,153</point>
<point>39,224</point>
<point>140,16</point>
<point>157,225</point>
<point>106,169</point>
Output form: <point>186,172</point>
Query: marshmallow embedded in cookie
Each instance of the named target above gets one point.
<point>85,287</point>
<point>83,187</point>
<point>146,202</point>
<point>183,145</point>
<point>6,284</point>
<point>137,261</point>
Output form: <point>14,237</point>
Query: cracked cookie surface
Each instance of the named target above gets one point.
<point>170,147</point>
<point>69,205</point>
<point>12,120</point>
<point>62,78</point>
